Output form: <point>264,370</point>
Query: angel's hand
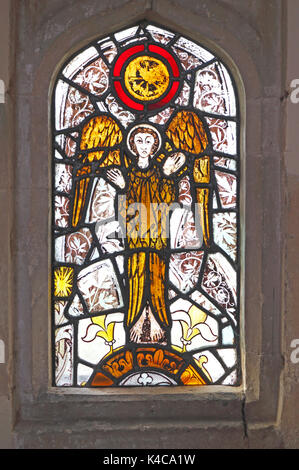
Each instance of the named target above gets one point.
<point>173,163</point>
<point>115,175</point>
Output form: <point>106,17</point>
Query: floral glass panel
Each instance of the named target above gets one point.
<point>145,214</point>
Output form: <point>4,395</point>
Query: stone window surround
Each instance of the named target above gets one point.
<point>253,405</point>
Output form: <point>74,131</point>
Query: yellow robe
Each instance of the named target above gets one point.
<point>146,235</point>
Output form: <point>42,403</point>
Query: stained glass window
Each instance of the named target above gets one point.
<point>145,219</point>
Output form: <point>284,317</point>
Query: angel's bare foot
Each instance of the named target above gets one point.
<point>147,330</point>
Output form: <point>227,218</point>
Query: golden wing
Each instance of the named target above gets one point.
<point>186,132</point>
<point>99,143</point>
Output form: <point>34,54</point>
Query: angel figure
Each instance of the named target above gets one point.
<point>145,175</point>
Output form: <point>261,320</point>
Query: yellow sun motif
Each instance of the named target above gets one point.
<point>146,78</point>
<point>63,281</point>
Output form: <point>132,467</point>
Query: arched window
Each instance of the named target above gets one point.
<point>145,224</point>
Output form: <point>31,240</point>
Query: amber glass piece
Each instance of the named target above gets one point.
<point>113,158</point>
<point>202,196</point>
<point>136,276</point>
<point>127,161</point>
<point>149,188</point>
<point>160,157</point>
<point>85,170</point>
<point>101,131</point>
<point>168,147</point>
<point>92,156</point>
<point>187,132</point>
<point>157,278</point>
<point>119,364</point>
<point>101,380</point>
<point>81,188</point>
<point>201,170</point>
<point>191,377</point>
<point>159,358</point>
<point>63,281</point>
<point>146,78</point>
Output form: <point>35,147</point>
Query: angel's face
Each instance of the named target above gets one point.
<point>144,143</point>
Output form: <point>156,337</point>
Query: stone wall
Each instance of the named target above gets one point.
<point>289,411</point>
<point>6,227</point>
<point>259,40</point>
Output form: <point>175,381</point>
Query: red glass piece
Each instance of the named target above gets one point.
<point>125,98</point>
<point>159,50</point>
<point>124,56</point>
<point>167,98</point>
